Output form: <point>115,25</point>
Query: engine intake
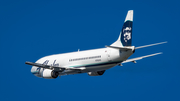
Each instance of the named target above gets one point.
<point>49,74</point>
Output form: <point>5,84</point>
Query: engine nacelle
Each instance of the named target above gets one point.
<point>97,73</point>
<point>49,74</point>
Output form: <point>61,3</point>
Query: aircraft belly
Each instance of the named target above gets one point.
<point>89,69</point>
<point>100,67</point>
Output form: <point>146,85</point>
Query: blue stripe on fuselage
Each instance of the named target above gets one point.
<point>98,64</point>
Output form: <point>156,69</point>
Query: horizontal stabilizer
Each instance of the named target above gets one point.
<point>139,58</point>
<point>121,48</point>
<point>150,45</point>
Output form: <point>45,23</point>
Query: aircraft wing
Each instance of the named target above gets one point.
<point>150,45</point>
<point>139,58</point>
<point>59,69</point>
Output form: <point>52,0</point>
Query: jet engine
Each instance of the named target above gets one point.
<point>97,73</point>
<point>49,74</point>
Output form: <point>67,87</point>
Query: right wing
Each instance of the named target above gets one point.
<point>150,45</point>
<point>139,58</point>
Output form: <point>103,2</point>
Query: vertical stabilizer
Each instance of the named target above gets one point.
<point>125,37</point>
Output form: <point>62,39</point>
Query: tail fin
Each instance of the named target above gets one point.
<point>125,37</point>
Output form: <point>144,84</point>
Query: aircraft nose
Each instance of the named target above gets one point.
<point>36,71</point>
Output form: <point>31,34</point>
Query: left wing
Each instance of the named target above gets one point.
<point>58,69</point>
<point>139,58</point>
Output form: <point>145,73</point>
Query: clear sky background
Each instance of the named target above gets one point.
<point>31,29</point>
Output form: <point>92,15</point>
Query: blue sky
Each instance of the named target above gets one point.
<point>32,29</point>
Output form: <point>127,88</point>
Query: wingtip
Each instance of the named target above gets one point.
<point>160,53</point>
<point>26,62</point>
<point>165,42</point>
<point>151,45</point>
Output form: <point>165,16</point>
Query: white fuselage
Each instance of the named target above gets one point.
<point>90,60</point>
<point>93,62</point>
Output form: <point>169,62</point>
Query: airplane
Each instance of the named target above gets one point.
<point>93,62</point>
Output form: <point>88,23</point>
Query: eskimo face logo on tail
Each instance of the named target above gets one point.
<point>127,33</point>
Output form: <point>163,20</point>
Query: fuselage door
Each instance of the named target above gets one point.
<point>108,51</point>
